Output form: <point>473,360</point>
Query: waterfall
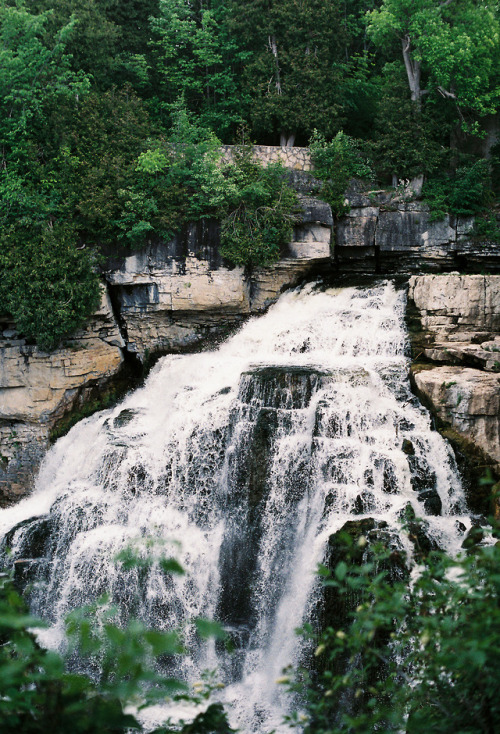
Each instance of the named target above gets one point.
<point>250,457</point>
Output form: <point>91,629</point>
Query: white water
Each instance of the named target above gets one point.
<point>251,471</point>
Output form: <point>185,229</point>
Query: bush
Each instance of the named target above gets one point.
<point>417,659</point>
<point>38,694</point>
<point>335,164</point>
<point>465,194</point>
<point>47,284</point>
<point>258,215</point>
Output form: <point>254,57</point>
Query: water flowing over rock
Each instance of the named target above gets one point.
<point>171,296</point>
<point>252,456</point>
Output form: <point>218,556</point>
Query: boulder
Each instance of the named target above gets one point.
<point>466,399</point>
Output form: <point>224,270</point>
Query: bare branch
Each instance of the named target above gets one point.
<point>444,93</point>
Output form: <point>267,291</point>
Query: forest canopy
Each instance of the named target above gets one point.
<point>95,95</point>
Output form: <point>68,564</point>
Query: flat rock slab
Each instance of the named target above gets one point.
<point>468,400</point>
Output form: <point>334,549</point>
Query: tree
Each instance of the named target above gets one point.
<point>112,39</point>
<point>295,65</point>
<point>195,59</point>
<point>450,48</point>
<point>33,69</point>
<point>46,283</point>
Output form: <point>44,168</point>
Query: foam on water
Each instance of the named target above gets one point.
<point>250,456</point>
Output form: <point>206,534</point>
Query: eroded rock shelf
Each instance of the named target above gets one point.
<point>180,295</point>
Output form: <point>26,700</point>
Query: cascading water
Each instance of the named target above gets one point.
<point>250,456</point>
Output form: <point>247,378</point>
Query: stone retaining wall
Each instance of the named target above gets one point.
<point>298,159</point>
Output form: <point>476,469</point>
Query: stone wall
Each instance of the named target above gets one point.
<point>297,159</point>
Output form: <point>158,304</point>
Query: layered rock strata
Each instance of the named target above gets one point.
<point>458,336</point>
<point>177,295</point>
<point>169,297</point>
<point>37,389</point>
<point>381,233</point>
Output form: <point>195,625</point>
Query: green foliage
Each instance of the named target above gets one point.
<point>293,75</point>
<point>336,163</point>
<point>407,142</point>
<point>486,227</point>
<point>111,40</point>
<point>46,283</point>
<point>33,70</point>
<point>194,55</point>
<point>464,194</point>
<point>412,659</point>
<point>38,694</point>
<point>258,212</point>
<point>455,45</point>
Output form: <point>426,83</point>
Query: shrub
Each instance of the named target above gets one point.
<point>38,694</point>
<point>420,658</point>
<point>466,193</point>
<point>259,212</point>
<point>335,164</point>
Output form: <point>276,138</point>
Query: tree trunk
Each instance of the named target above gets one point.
<point>273,47</point>
<point>412,72</point>
<point>287,139</point>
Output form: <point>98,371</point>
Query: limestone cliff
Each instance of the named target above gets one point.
<point>382,234</point>
<point>37,389</point>
<point>457,331</point>
<point>170,297</point>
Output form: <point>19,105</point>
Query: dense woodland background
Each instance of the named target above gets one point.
<point>112,111</point>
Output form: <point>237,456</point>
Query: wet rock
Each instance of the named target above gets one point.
<point>418,533</point>
<point>474,537</point>
<point>124,418</point>
<point>281,387</point>
<point>35,535</point>
<point>424,483</point>
<point>407,447</point>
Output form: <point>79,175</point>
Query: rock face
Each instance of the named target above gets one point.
<point>169,297</point>
<point>387,235</point>
<point>37,389</point>
<point>457,326</point>
<point>459,318</point>
<point>468,400</point>
<point>177,295</point>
